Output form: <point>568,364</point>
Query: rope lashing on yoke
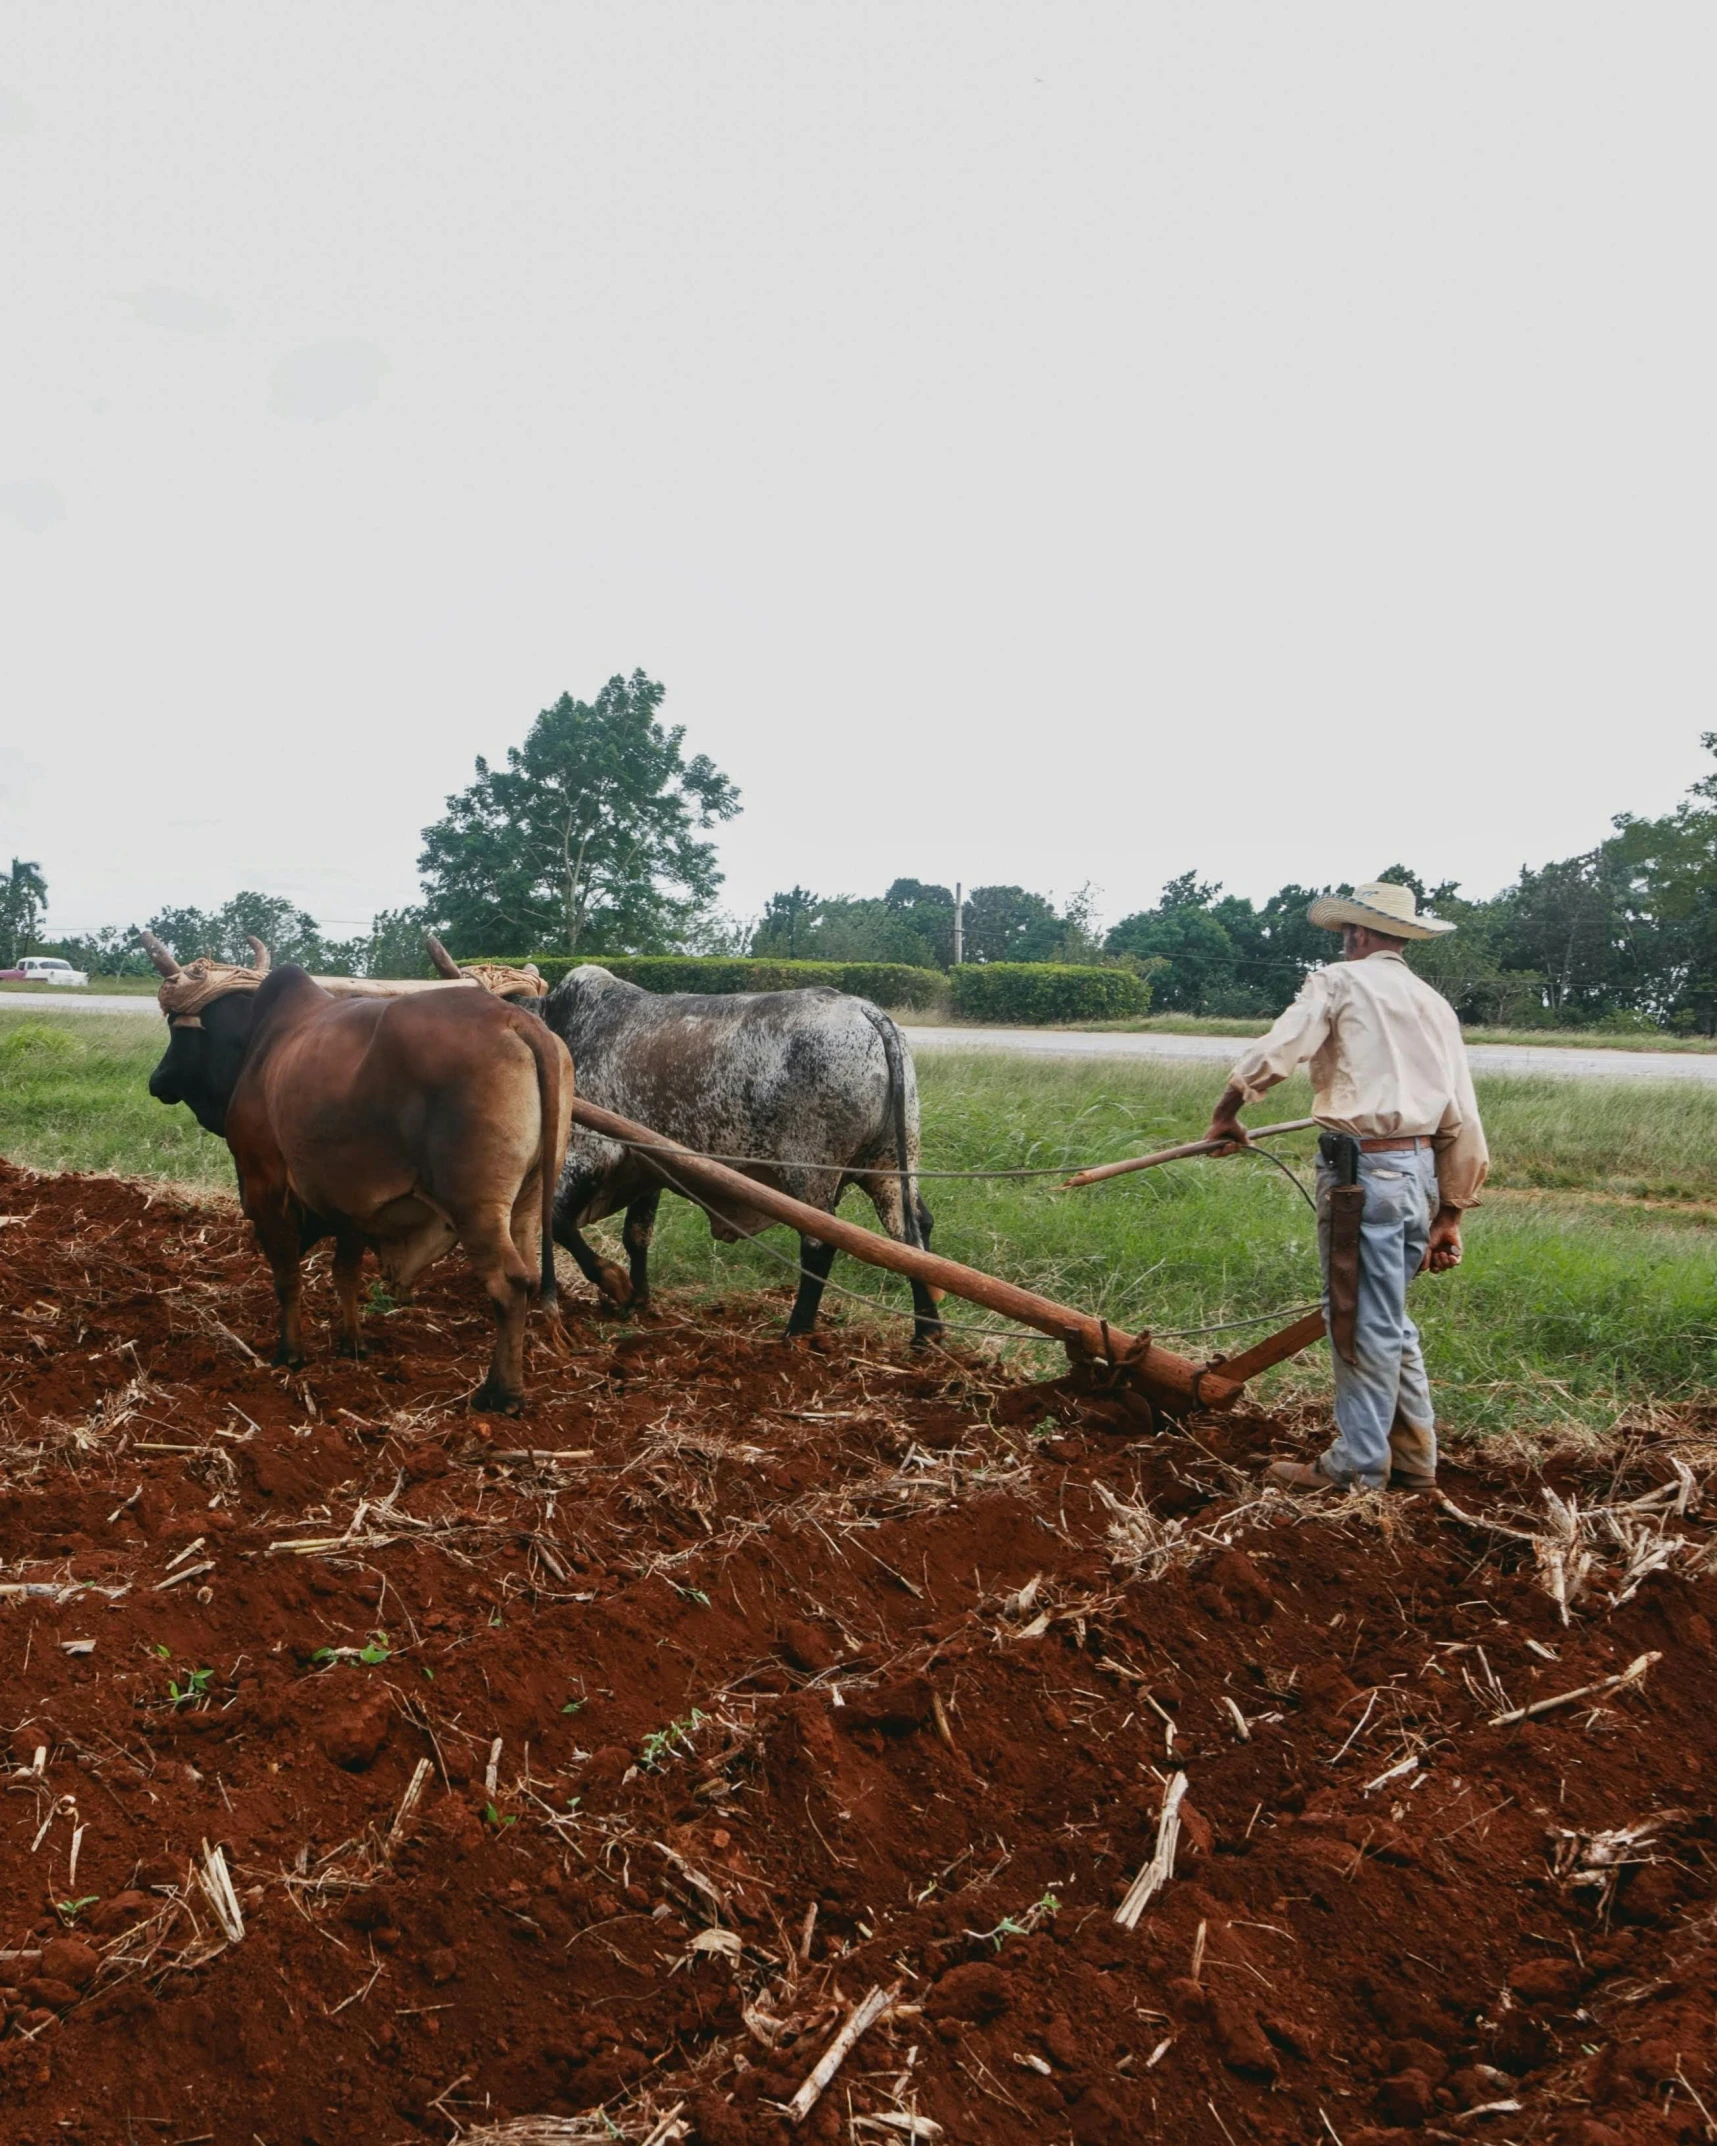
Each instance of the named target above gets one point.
<point>185,990</point>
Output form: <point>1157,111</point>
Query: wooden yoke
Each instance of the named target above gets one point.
<point>1173,1382</point>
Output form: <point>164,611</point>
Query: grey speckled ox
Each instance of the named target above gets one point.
<point>819,1084</point>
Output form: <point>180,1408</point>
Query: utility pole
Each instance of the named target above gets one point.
<point>959,929</point>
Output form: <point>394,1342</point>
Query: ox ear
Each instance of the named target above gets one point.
<point>445,965</point>
<point>261,963</point>
<point>157,953</point>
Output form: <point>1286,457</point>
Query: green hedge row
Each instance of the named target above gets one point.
<point>887,983</point>
<point>1038,991</point>
<point>1000,991</point>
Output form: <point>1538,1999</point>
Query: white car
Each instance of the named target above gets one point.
<point>43,969</point>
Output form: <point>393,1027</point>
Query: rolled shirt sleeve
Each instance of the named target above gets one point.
<point>1463,1156</point>
<point>1297,1036</point>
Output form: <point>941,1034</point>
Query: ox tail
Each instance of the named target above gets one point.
<point>544,1049</point>
<point>894,1051</point>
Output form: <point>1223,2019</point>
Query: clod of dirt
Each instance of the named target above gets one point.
<point>1063,2044</point>
<point>1244,2045</point>
<point>1098,2120</point>
<point>112,1915</point>
<point>1407,2097</point>
<point>353,1734</point>
<point>1650,1896</point>
<point>896,1709</point>
<point>978,1991</point>
<point>1243,1584</point>
<point>714,2123</point>
<point>69,1959</point>
<point>54,1996</point>
<point>804,1648</point>
<point>1414,2055</point>
<point>456,1825</point>
<point>1325,1689</point>
<point>1539,1981</point>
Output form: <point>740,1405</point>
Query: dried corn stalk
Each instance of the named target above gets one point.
<point>1140,1542</point>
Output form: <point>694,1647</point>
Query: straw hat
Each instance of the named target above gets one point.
<point>1379,905</point>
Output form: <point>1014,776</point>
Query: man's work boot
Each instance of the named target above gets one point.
<point>1412,1456</point>
<point>1297,1476</point>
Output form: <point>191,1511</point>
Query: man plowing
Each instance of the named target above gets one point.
<point>1401,1155</point>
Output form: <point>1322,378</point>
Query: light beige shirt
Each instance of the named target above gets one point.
<point>1386,1058</point>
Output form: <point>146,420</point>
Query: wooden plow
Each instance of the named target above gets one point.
<point>1131,1362</point>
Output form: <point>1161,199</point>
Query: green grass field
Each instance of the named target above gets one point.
<point>1589,1287</point>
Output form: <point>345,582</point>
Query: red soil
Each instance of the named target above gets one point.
<point>752,1641</point>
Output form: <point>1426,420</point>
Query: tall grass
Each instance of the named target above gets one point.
<point>1579,1296</point>
<point>74,1095</point>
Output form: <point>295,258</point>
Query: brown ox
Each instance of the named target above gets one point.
<point>401,1125</point>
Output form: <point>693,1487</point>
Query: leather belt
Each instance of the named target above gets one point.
<point>1388,1147</point>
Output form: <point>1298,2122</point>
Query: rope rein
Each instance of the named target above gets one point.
<point>966,1326</point>
<point>781,1162</point>
<point>960,1326</point>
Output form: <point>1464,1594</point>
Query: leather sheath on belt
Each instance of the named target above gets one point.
<point>1346,1210</point>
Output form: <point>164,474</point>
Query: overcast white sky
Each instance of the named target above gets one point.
<point>1039,443</point>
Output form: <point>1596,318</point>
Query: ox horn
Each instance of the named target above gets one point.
<point>260,951</point>
<point>157,953</point>
<point>443,960</point>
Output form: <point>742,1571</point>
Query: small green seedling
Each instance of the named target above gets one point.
<point>694,1594</point>
<point>378,1650</point>
<point>1022,1926</point>
<point>166,1653</point>
<point>69,1910</point>
<point>498,1819</point>
<point>378,1300</point>
<point>572,1706</point>
<point>196,1686</point>
<point>660,1742</point>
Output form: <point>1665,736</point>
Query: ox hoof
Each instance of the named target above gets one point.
<point>492,1400</point>
<point>285,1359</point>
<point>616,1288</point>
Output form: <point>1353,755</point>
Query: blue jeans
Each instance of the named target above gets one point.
<point>1383,1412</point>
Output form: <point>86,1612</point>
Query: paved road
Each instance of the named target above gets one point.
<point>1086,1043</point>
<point>64,1001</point>
<point>1223,1050</point>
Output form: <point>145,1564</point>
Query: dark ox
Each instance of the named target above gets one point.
<point>817,1084</point>
<point>398,1125</point>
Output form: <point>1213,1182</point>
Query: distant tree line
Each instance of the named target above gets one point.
<point>593,839</point>
<point>1621,937</point>
<point>914,922</point>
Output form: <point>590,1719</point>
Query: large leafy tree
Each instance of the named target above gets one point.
<point>1666,875</point>
<point>23,897</point>
<point>289,933</point>
<point>785,928</point>
<point>1183,932</point>
<point>839,928</point>
<point>928,910</point>
<point>588,838</point>
<point>1012,924</point>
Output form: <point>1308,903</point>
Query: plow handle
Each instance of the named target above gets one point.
<point>1179,1154</point>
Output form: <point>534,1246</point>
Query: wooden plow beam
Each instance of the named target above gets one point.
<point>1173,1382</point>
